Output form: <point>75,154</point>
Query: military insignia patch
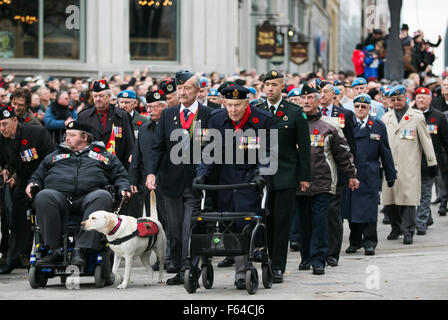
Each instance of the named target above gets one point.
<point>374,136</point>
<point>6,113</point>
<point>99,157</point>
<point>285,118</point>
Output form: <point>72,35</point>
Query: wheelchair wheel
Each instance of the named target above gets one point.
<point>99,278</point>
<point>267,275</point>
<point>207,276</point>
<point>36,278</point>
<point>190,281</point>
<point>252,280</point>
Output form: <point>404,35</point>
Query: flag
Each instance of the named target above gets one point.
<point>111,144</point>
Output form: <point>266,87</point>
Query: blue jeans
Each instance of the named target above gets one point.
<point>314,228</point>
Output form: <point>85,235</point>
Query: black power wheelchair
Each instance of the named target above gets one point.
<point>99,263</point>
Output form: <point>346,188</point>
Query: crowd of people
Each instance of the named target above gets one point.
<point>369,57</point>
<point>344,142</point>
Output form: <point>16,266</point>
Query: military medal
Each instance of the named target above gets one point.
<point>341,120</point>
<point>432,128</point>
<point>373,112</point>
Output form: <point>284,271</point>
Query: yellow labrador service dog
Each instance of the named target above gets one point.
<point>126,241</point>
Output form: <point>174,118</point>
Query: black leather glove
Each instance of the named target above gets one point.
<point>259,181</point>
<point>390,184</point>
<point>199,180</point>
<point>35,190</point>
<point>433,171</point>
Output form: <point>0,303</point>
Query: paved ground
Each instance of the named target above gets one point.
<point>397,271</point>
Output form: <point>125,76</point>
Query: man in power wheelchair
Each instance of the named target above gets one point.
<point>66,188</point>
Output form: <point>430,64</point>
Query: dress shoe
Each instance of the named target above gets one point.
<point>294,246</point>
<point>227,262</point>
<point>369,251</point>
<point>332,261</point>
<point>442,209</point>
<point>176,280</point>
<point>393,236</point>
<point>351,249</point>
<point>53,258</point>
<point>421,232</point>
<point>240,284</point>
<point>438,200</point>
<point>407,240</point>
<point>318,270</point>
<point>78,258</point>
<point>304,266</point>
<point>6,269</point>
<point>277,276</point>
<point>170,267</point>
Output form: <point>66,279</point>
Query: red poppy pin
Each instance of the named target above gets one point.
<point>27,119</point>
<point>341,115</point>
<point>204,84</point>
<point>315,131</point>
<point>139,123</point>
<point>9,108</point>
<point>161,91</point>
<point>432,120</point>
<point>370,122</point>
<point>24,142</point>
<point>255,120</point>
<point>96,149</point>
<point>406,118</point>
<point>280,113</point>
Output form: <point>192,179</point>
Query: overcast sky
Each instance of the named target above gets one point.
<point>431,17</point>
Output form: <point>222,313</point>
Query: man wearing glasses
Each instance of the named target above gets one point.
<point>360,207</point>
<point>359,86</point>
<point>408,137</point>
<point>105,118</point>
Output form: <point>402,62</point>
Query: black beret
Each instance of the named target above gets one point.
<point>323,84</point>
<point>168,86</point>
<point>100,85</point>
<point>271,75</point>
<point>235,92</point>
<point>156,95</point>
<point>183,76</point>
<point>225,85</point>
<point>82,126</point>
<point>6,112</point>
<point>306,89</point>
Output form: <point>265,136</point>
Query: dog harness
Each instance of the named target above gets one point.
<point>145,228</point>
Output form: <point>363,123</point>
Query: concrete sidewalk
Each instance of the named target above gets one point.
<point>397,271</point>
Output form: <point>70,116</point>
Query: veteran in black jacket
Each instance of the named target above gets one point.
<point>72,180</point>
<point>184,122</point>
<point>294,168</point>
<point>103,117</point>
<point>22,148</point>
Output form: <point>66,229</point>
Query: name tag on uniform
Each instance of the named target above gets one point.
<point>317,140</point>
<point>99,157</point>
<point>249,143</point>
<point>408,134</point>
<point>118,131</point>
<point>432,128</point>
<point>29,155</point>
<point>60,157</point>
<point>374,136</point>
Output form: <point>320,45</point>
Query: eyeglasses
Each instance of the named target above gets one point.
<point>362,106</point>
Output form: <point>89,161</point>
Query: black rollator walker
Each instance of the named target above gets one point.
<point>212,235</point>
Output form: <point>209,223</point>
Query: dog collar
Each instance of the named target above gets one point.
<point>115,228</point>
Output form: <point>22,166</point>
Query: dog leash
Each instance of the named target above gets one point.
<point>119,207</point>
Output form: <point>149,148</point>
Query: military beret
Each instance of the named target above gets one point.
<point>213,93</point>
<point>397,91</point>
<point>235,92</point>
<point>385,89</point>
<point>306,89</point>
<point>183,76</point>
<point>337,83</point>
<point>6,112</point>
<point>271,75</point>
<point>363,98</point>
<point>203,82</point>
<point>252,90</point>
<point>423,90</point>
<point>225,85</point>
<point>294,93</point>
<point>100,85</point>
<point>82,126</point>
<point>127,94</point>
<point>323,84</point>
<point>154,96</point>
<point>168,86</point>
<point>359,82</point>
<point>336,90</point>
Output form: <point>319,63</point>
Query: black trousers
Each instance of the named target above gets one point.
<point>19,226</point>
<point>402,218</point>
<point>363,234</point>
<point>53,208</point>
<point>281,205</point>
<point>335,224</point>
<point>4,225</point>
